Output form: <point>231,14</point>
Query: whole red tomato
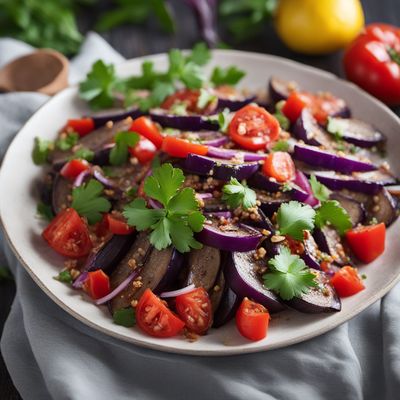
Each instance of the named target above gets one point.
<point>372,61</point>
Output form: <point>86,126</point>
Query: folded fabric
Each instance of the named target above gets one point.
<point>50,355</point>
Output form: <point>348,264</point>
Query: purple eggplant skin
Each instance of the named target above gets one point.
<point>310,256</point>
<point>355,209</point>
<point>97,141</point>
<point>280,89</point>
<point>359,132</point>
<point>243,279</point>
<point>62,189</point>
<point>270,203</point>
<point>321,299</point>
<point>227,308</point>
<point>183,122</point>
<point>216,292</point>
<point>234,104</point>
<point>153,265</point>
<point>203,266</point>
<point>45,188</point>
<point>307,129</point>
<point>116,114</point>
<point>219,169</point>
<point>329,241</point>
<point>329,160</point>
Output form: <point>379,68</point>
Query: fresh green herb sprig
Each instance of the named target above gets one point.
<point>281,145</point>
<point>288,275</point>
<point>83,154</point>
<point>282,119</point>
<point>67,142</point>
<point>320,191</point>
<point>44,211</point>
<point>237,194</point>
<point>125,317</point>
<point>226,76</point>
<point>88,202</point>
<point>123,140</point>
<point>65,277</point>
<point>179,218</point>
<point>41,150</point>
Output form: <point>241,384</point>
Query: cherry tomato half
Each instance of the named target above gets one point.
<point>145,127</point>
<point>195,310</point>
<point>177,147</point>
<point>367,242</point>
<point>73,168</point>
<point>82,126</point>
<point>155,318</point>
<point>144,151</point>
<point>253,128</point>
<point>252,320</point>
<point>279,165</point>
<point>68,234</point>
<point>116,225</point>
<point>347,282</point>
<point>97,284</point>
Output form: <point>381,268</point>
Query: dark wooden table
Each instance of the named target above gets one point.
<point>148,39</point>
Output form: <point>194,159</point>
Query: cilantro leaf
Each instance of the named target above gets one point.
<point>226,76</point>
<point>44,211</point>
<point>336,127</point>
<point>125,317</point>
<point>222,119</point>
<point>237,194</point>
<point>164,183</point>
<point>288,275</point>
<point>98,87</point>
<point>200,54</point>
<point>192,76</point>
<point>64,276</point>
<point>177,221</point>
<point>205,98</point>
<point>320,191</point>
<point>138,215</point>
<point>41,150</point>
<point>87,201</point>
<point>67,142</point>
<point>293,218</point>
<point>83,153</point>
<point>119,153</point>
<point>280,145</point>
<point>331,212</point>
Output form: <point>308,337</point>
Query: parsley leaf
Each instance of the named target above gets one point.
<point>205,98</point>
<point>280,145</point>
<point>64,276</point>
<point>98,87</point>
<point>44,211</point>
<point>83,154</point>
<point>226,76</point>
<point>177,221</point>
<point>87,201</point>
<point>222,119</point>
<point>125,317</point>
<point>67,142</point>
<point>200,54</point>
<point>41,150</point>
<point>331,212</point>
<point>293,218</point>
<point>320,191</point>
<point>237,194</point>
<point>123,140</point>
<point>288,275</point>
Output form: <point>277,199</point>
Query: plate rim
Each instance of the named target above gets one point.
<point>231,350</point>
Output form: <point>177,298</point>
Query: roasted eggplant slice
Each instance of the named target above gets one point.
<point>321,299</point>
<point>216,292</point>
<point>355,209</point>
<point>62,189</point>
<point>228,306</point>
<point>270,202</point>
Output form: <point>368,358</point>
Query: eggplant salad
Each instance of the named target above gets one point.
<point>182,202</point>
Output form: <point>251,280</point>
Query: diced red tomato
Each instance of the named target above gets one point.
<point>68,234</point>
<point>144,151</point>
<point>194,308</point>
<point>279,165</point>
<point>73,168</point>
<point>82,126</point>
<point>253,128</point>
<point>117,225</point>
<point>97,284</point>
<point>347,282</point>
<point>367,242</point>
<point>155,318</point>
<point>321,105</point>
<point>145,127</point>
<point>252,320</point>
<point>177,147</point>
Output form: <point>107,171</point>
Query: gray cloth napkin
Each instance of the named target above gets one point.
<point>50,355</point>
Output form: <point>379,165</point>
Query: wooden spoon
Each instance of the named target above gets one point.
<point>44,71</point>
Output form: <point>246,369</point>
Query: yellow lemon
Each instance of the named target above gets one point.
<point>318,26</point>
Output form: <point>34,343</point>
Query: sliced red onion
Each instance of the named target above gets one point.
<point>302,181</point>
<point>80,280</point>
<point>81,178</point>
<point>154,203</point>
<point>178,292</point>
<point>102,179</point>
<point>217,142</point>
<point>228,154</point>
<point>118,289</point>
<point>203,196</point>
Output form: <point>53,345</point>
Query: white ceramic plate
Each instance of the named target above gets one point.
<point>19,177</point>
